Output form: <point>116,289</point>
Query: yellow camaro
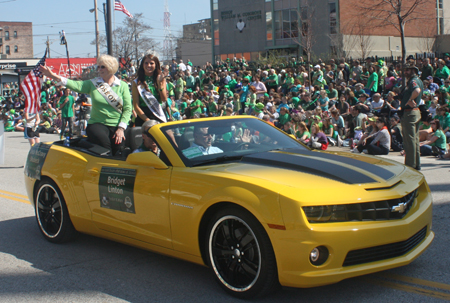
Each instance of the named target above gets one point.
<point>240,196</point>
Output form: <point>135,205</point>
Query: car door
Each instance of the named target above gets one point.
<point>129,200</point>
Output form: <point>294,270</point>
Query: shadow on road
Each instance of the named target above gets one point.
<point>94,265</point>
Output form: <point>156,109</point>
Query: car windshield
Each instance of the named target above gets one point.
<point>208,141</point>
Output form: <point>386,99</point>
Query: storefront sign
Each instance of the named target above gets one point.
<point>4,66</point>
<point>248,16</point>
<point>60,66</point>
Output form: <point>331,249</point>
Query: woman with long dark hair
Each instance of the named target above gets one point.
<point>149,92</point>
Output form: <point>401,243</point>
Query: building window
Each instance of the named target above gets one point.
<point>6,35</point>
<point>15,34</point>
<point>216,31</point>
<point>332,18</point>
<point>269,26</point>
<point>215,5</point>
<point>7,50</point>
<point>286,24</point>
<point>16,49</point>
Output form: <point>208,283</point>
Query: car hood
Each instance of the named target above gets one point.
<point>323,172</point>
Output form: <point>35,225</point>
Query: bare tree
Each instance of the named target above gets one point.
<point>130,40</point>
<point>359,35</point>
<point>396,13</point>
<point>306,37</point>
<point>427,40</point>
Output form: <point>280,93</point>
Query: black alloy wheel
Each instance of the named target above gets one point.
<point>241,255</point>
<point>51,213</point>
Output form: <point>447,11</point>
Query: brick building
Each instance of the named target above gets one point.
<point>339,27</point>
<point>16,40</point>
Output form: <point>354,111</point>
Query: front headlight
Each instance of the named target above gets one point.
<point>327,213</point>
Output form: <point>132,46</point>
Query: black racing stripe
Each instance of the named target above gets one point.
<point>310,166</point>
<point>371,168</point>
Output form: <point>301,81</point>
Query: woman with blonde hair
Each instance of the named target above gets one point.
<point>111,103</point>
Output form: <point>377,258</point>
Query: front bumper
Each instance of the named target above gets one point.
<point>292,247</point>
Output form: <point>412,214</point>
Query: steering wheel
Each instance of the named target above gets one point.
<point>242,144</point>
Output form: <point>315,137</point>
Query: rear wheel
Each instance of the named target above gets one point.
<point>240,254</point>
<point>52,214</point>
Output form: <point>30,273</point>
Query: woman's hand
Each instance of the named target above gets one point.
<point>46,71</point>
<point>119,135</point>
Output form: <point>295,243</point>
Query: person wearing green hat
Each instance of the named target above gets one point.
<point>258,110</point>
<point>67,107</point>
<point>411,116</point>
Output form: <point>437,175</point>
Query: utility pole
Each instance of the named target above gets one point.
<point>48,47</point>
<point>110,8</point>
<point>96,29</point>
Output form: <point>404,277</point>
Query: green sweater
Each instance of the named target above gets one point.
<point>102,111</point>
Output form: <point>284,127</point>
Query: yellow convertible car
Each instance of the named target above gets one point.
<point>239,196</point>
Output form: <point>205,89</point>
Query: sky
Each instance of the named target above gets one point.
<point>49,17</point>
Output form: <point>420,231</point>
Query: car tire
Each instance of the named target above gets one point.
<point>51,213</point>
<point>240,254</point>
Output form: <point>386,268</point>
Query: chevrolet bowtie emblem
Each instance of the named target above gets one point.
<point>401,208</point>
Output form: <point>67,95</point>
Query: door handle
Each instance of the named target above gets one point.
<point>93,172</point>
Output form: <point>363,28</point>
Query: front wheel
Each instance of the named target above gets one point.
<point>240,254</point>
<point>52,214</point>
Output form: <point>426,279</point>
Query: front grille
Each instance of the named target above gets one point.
<point>380,210</point>
<point>384,252</point>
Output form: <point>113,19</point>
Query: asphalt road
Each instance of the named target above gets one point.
<point>96,270</point>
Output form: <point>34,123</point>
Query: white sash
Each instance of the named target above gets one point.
<point>151,102</point>
<point>110,96</point>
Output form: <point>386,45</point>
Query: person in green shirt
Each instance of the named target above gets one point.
<point>442,72</point>
<point>212,107</point>
<point>437,144</point>
<point>67,106</point>
<point>196,106</point>
<point>179,87</point>
<point>372,82</point>
<point>272,82</point>
<point>284,117</point>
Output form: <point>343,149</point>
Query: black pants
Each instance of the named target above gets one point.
<point>102,135</point>
<point>63,126</point>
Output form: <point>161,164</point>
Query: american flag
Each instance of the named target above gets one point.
<point>31,88</point>
<point>118,6</point>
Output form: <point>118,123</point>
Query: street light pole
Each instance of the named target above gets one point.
<point>109,9</point>
<point>96,29</point>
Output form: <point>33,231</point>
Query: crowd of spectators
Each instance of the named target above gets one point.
<point>355,104</point>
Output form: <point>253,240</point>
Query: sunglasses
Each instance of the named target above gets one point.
<point>101,66</point>
<point>432,123</point>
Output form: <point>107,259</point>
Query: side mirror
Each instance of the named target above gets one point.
<point>146,159</point>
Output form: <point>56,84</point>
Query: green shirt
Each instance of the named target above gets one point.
<point>67,110</point>
<point>333,94</point>
<point>441,142</point>
<point>373,78</point>
<point>412,84</point>
<point>284,119</point>
<point>273,77</point>
<point>102,111</point>
<point>199,109</point>
<point>442,73</point>
<point>300,135</point>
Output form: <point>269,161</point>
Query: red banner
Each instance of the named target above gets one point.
<point>60,66</point>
